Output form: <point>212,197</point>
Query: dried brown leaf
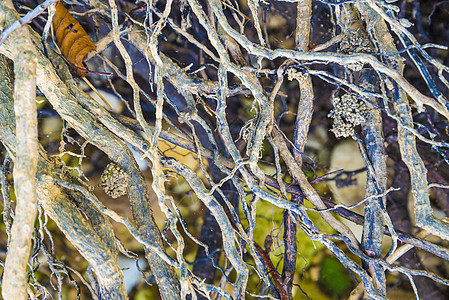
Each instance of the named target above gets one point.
<point>72,39</point>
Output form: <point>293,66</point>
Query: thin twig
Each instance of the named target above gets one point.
<point>25,19</point>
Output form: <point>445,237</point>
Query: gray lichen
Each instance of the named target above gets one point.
<point>293,74</point>
<point>349,111</point>
<point>114,181</point>
<point>355,42</point>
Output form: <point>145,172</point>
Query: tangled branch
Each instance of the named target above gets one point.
<point>207,79</point>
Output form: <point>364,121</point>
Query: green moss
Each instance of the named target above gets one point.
<point>145,294</point>
<point>334,278</point>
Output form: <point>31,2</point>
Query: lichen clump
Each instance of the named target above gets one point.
<point>114,181</point>
<point>292,74</point>
<point>349,111</point>
<point>355,42</point>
